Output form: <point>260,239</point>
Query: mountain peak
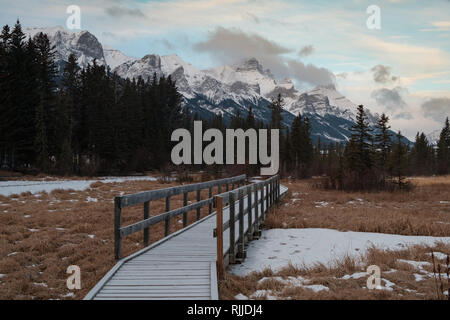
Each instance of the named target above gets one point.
<point>251,64</point>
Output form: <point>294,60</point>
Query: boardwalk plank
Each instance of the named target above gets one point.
<point>182,267</point>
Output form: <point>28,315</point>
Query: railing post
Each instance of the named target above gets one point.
<point>241,242</point>
<point>271,192</point>
<point>267,200</point>
<point>185,202</point>
<point>117,226</point>
<point>232,230</point>
<point>226,187</point>
<point>219,228</point>
<point>167,226</point>
<point>146,216</point>
<point>256,227</point>
<point>250,213</point>
<point>262,203</point>
<point>210,205</point>
<point>278,189</point>
<point>198,199</point>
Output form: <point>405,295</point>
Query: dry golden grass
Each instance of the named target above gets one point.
<point>400,273</point>
<point>40,236</point>
<point>423,211</point>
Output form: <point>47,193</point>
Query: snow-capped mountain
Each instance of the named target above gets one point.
<point>433,137</point>
<point>225,90</point>
<point>83,45</point>
<point>115,58</point>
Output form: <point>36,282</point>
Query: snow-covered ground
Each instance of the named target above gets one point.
<point>279,247</point>
<point>16,187</point>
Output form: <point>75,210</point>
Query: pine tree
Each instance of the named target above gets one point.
<point>250,121</point>
<point>361,157</point>
<point>399,162</point>
<point>276,117</point>
<point>443,152</point>
<point>382,145</point>
<point>40,142</point>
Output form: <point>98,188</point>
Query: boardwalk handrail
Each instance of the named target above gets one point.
<point>270,194</point>
<point>145,197</point>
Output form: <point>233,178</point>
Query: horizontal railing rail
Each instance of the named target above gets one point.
<point>146,197</point>
<point>259,196</point>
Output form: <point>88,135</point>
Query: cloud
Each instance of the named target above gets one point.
<point>119,12</point>
<point>391,99</point>
<point>436,108</point>
<point>233,45</point>
<point>404,115</point>
<point>382,74</point>
<point>306,51</point>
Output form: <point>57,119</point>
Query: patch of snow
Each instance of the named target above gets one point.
<point>268,294</point>
<point>33,230</point>
<point>89,199</point>
<point>91,236</point>
<point>444,202</point>
<point>18,186</point>
<point>439,255</point>
<point>240,296</point>
<point>419,277</point>
<point>355,275</point>
<point>320,204</point>
<point>316,287</point>
<point>296,282</point>
<point>68,295</point>
<point>388,285</point>
<point>40,284</point>
<point>417,264</point>
<point>316,245</point>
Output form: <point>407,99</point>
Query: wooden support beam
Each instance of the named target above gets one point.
<point>185,202</point>
<point>256,227</point>
<point>219,228</point>
<point>241,242</point>
<point>167,224</point>
<point>232,254</point>
<point>117,225</point>
<point>146,216</point>
<point>210,196</point>
<point>250,213</point>
<point>198,199</point>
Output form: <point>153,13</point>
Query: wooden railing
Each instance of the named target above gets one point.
<point>259,196</point>
<point>147,196</point>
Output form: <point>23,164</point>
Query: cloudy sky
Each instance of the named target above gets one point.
<point>402,69</point>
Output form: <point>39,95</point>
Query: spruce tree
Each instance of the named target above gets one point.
<point>399,162</point>
<point>443,151</point>
<point>360,143</point>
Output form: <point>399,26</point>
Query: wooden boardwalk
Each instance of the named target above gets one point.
<point>180,266</point>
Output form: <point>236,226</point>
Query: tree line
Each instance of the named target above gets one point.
<point>68,120</point>
<point>85,121</point>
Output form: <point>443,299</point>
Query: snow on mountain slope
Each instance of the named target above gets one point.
<point>326,100</point>
<point>250,71</point>
<point>433,137</point>
<point>115,58</point>
<point>225,90</point>
<point>83,45</point>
